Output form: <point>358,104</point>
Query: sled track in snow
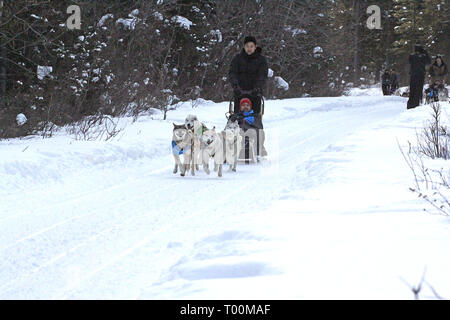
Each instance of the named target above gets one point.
<point>124,253</point>
<point>83,195</point>
<point>65,221</point>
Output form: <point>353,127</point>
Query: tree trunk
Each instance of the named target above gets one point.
<point>356,12</point>
<point>414,28</point>
<point>2,60</point>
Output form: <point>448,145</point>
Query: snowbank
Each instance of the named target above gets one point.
<point>372,91</point>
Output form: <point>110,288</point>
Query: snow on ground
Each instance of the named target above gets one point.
<point>374,90</point>
<point>328,215</point>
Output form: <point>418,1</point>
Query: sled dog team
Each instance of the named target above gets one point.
<point>198,145</point>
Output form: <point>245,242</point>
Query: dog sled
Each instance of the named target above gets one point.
<point>252,150</point>
<point>435,92</point>
<point>242,139</point>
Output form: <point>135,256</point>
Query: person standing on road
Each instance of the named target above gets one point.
<point>418,62</point>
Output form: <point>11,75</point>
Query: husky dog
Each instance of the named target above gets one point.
<point>212,147</point>
<point>189,121</point>
<point>233,143</point>
<point>182,144</point>
<point>197,128</point>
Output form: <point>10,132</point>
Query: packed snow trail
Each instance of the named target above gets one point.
<point>109,220</point>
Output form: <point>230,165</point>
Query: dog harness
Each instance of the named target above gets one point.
<point>199,129</point>
<point>177,150</point>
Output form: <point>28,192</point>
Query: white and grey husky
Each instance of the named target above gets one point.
<point>189,121</point>
<point>182,144</point>
<point>212,147</point>
<point>197,128</point>
<point>233,143</point>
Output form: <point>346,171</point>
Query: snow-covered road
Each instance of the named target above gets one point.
<point>92,219</point>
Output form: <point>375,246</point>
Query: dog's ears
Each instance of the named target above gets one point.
<point>174,125</point>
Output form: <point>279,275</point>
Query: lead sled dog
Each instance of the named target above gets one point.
<point>182,144</point>
<point>197,129</point>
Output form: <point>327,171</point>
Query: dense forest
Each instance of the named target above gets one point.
<point>127,57</point>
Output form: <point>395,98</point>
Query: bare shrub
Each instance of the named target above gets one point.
<point>416,290</point>
<point>99,127</point>
<point>433,141</point>
<point>431,185</point>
